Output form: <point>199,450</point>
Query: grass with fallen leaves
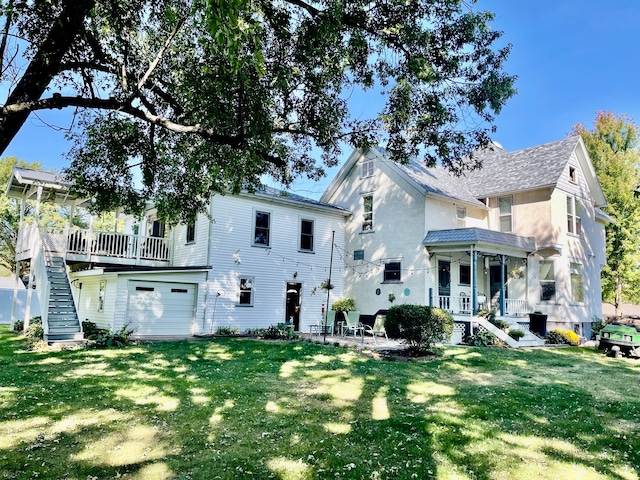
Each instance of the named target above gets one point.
<point>238,408</point>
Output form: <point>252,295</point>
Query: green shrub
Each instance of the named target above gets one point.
<point>120,338</point>
<point>344,305</point>
<point>35,331</point>
<point>483,338</point>
<point>490,315</point>
<point>597,324</point>
<point>227,331</point>
<point>516,334</point>
<point>562,336</point>
<point>418,326</point>
<point>18,326</point>
<point>501,324</point>
<point>277,332</point>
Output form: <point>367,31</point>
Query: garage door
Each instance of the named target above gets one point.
<point>158,308</point>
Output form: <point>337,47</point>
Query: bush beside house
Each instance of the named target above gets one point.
<point>418,326</point>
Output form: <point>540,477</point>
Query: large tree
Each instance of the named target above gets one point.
<point>613,147</point>
<point>180,99</point>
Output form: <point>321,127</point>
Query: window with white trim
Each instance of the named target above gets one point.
<point>246,291</point>
<point>392,271</point>
<point>577,282</point>
<point>547,281</point>
<point>367,215</point>
<point>464,274</point>
<point>506,220</point>
<point>261,228</point>
<point>461,217</point>
<point>367,168</point>
<point>574,224</point>
<point>306,235</point>
<point>191,232</point>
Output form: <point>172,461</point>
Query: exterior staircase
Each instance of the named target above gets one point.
<point>62,317</point>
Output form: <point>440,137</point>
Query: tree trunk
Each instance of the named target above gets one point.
<point>44,66</point>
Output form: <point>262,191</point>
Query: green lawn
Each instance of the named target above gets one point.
<point>236,408</point>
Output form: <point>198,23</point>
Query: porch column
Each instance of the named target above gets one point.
<point>18,245</point>
<point>502,280</point>
<point>474,282</point>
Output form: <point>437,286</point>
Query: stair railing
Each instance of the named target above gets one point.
<point>43,286</point>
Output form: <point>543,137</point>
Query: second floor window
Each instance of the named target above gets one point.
<point>367,216</point>
<point>306,235</point>
<point>506,220</point>
<point>191,232</point>
<point>574,224</point>
<point>461,217</point>
<point>261,229</point>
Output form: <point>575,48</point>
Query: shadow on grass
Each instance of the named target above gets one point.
<point>232,408</point>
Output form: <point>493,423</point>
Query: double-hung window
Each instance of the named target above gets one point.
<point>367,216</point>
<point>246,291</point>
<point>461,217</point>
<point>577,283</point>
<point>392,271</point>
<point>261,229</point>
<point>464,274</point>
<point>191,232</point>
<point>547,281</point>
<point>506,217</point>
<point>574,224</point>
<point>306,235</point>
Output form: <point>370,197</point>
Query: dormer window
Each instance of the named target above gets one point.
<point>572,174</point>
<point>367,168</point>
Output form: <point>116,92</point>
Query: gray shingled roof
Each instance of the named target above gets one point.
<point>526,169</point>
<point>477,235</point>
<point>439,181</point>
<point>290,197</point>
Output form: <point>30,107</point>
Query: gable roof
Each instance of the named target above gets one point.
<point>284,196</point>
<point>502,172</point>
<point>526,169</point>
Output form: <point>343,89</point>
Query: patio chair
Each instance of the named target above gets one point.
<point>326,324</point>
<point>378,328</point>
<point>352,323</point>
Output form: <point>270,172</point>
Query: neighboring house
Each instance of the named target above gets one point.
<point>254,260</point>
<point>525,233</point>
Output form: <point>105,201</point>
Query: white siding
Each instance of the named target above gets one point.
<point>86,292</point>
<point>233,255</point>
<point>190,254</point>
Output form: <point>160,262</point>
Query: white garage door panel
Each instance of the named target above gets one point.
<point>156,308</point>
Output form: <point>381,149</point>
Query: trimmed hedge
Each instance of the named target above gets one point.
<point>418,326</point>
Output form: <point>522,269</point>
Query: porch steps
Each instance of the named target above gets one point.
<point>61,315</point>
<point>529,339</point>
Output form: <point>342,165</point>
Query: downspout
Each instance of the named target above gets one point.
<point>206,282</point>
<point>502,281</point>
<point>474,283</point>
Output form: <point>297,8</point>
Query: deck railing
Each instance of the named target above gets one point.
<point>86,245</point>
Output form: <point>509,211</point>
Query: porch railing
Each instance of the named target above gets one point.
<point>463,305</point>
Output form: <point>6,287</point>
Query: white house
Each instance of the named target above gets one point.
<point>254,260</point>
<point>525,233</point>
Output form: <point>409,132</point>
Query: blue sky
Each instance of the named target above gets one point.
<point>572,58</point>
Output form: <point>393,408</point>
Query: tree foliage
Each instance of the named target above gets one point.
<point>181,99</point>
<point>613,147</point>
